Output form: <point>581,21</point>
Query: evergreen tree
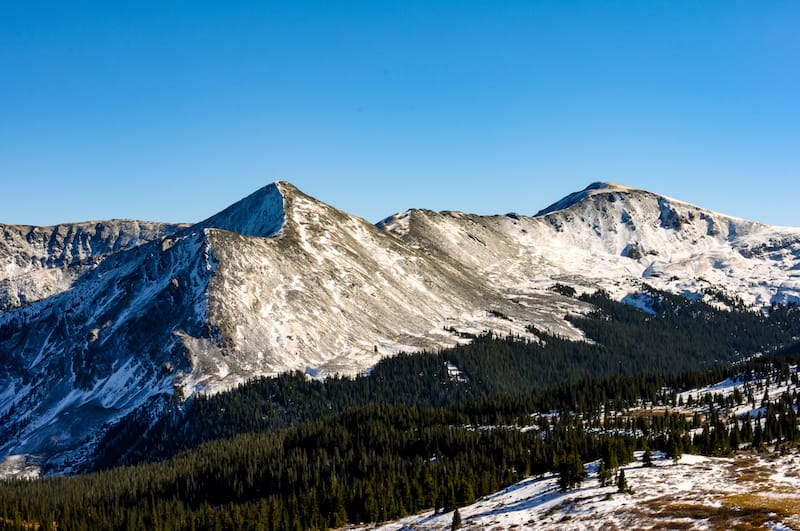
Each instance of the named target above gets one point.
<point>571,471</point>
<point>456,521</point>
<point>604,474</point>
<point>622,483</point>
<point>647,458</point>
<point>675,447</point>
<point>376,459</point>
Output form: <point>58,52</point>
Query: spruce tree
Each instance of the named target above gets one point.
<point>647,458</point>
<point>603,474</point>
<point>456,520</point>
<point>570,471</point>
<point>675,446</point>
<point>622,483</point>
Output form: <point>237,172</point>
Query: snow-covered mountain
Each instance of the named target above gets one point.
<point>99,319</point>
<point>615,237</point>
<point>37,262</point>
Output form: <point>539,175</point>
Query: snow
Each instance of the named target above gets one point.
<point>260,214</point>
<point>698,492</point>
<point>454,372</point>
<point>690,495</point>
<point>576,197</point>
<point>19,467</point>
<point>40,262</point>
<point>641,301</point>
<point>397,223</point>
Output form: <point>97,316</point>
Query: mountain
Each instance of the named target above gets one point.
<point>101,319</point>
<point>614,237</point>
<point>38,262</point>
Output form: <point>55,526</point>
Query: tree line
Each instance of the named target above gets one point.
<point>680,338</point>
<point>292,453</point>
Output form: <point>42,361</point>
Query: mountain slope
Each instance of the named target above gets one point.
<point>684,248</point>
<point>614,237</point>
<point>336,292</point>
<point>37,262</point>
<point>281,281</point>
<point>278,281</point>
<point>745,492</point>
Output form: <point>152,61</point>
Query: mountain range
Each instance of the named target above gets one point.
<point>98,319</point>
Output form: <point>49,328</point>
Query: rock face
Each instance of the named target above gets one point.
<point>37,262</point>
<point>135,312</point>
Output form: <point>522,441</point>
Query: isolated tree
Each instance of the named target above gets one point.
<point>622,483</point>
<point>456,521</point>
<point>647,458</point>
<point>604,474</point>
<point>570,471</point>
<point>675,447</point>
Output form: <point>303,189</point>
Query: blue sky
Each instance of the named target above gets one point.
<point>173,110</point>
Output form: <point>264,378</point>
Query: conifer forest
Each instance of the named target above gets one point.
<point>292,453</point>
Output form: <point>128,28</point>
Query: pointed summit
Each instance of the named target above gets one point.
<point>261,214</point>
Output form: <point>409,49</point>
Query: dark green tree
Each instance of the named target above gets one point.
<point>456,521</point>
<point>647,458</point>
<point>604,474</point>
<point>570,471</point>
<point>675,447</point>
<point>622,483</point>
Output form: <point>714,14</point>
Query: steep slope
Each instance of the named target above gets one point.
<point>674,245</point>
<point>78,359</point>
<point>331,293</point>
<point>278,281</point>
<point>115,338</point>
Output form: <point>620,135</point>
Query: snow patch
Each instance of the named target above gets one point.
<point>640,301</point>
<point>658,494</point>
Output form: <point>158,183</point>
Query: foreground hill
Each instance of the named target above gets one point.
<point>749,491</point>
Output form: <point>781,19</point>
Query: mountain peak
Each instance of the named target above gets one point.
<point>597,187</point>
<point>260,214</point>
<point>607,186</point>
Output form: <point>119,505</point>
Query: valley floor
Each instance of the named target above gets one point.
<point>749,491</point>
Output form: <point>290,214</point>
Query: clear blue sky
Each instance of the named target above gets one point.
<point>173,110</point>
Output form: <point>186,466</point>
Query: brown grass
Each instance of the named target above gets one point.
<point>741,512</point>
<point>733,518</point>
<point>771,502</point>
<point>750,470</point>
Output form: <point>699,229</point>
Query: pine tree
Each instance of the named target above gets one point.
<point>675,447</point>
<point>647,458</point>
<point>622,483</point>
<point>456,520</point>
<point>603,474</point>
<point>570,471</point>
